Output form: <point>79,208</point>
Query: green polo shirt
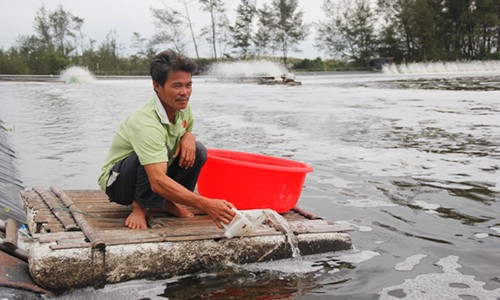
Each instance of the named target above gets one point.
<point>147,132</point>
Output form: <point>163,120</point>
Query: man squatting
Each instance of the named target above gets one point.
<point>154,160</point>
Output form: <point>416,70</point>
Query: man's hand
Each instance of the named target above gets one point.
<point>219,210</point>
<point>187,150</point>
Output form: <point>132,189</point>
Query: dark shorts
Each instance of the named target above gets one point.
<point>132,183</point>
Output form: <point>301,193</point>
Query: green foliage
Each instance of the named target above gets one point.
<point>352,33</point>
<point>263,37</point>
<point>170,28</point>
<point>288,27</point>
<point>217,32</point>
<point>427,30</point>
<point>242,30</point>
<point>348,31</point>
<point>11,62</point>
<point>309,65</point>
<point>203,65</point>
<point>54,62</point>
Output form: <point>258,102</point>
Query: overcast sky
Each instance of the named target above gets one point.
<point>126,17</point>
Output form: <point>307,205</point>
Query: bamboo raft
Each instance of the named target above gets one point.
<point>79,239</point>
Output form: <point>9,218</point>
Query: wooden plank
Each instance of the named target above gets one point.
<point>318,228</point>
<point>73,241</point>
<point>31,199</point>
<point>52,237</point>
<point>53,227</point>
<point>40,212</point>
<point>70,246</point>
<point>41,218</point>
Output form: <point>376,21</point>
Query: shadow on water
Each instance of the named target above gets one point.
<point>407,190</point>
<point>239,283</point>
<point>407,234</point>
<point>10,186</point>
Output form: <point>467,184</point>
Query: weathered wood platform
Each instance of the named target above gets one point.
<point>79,239</point>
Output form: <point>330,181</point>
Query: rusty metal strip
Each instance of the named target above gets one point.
<point>17,252</point>
<point>14,274</point>
<point>306,214</point>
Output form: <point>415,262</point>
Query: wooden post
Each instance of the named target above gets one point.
<point>89,231</point>
<point>10,240</point>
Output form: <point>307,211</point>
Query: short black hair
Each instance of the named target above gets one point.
<point>170,61</point>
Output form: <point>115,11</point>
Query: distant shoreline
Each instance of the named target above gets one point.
<point>28,78</point>
<point>56,78</point>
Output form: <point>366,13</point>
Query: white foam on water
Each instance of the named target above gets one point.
<point>283,266</point>
<point>367,203</point>
<point>336,182</point>
<point>309,263</point>
<point>442,67</point>
<point>359,227</point>
<point>421,116</point>
<point>364,228</point>
<point>137,289</point>
<point>449,186</point>
<point>254,68</point>
<point>496,228</point>
<point>427,206</point>
<point>451,284</point>
<point>410,262</point>
<point>358,257</point>
<point>481,235</point>
<point>77,74</point>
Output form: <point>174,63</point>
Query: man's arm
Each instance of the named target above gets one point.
<point>219,210</point>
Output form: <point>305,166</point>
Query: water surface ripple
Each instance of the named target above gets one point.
<point>414,170</point>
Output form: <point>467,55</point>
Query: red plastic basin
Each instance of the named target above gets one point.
<point>252,181</point>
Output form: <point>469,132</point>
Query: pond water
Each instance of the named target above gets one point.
<point>412,164</point>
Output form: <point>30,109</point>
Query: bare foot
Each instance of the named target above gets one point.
<point>137,218</point>
<point>177,210</point>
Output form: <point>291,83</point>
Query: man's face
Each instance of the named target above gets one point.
<point>175,93</point>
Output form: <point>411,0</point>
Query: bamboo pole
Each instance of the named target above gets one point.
<point>89,231</point>
<point>63,216</point>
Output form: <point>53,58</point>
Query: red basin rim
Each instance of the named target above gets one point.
<point>282,164</point>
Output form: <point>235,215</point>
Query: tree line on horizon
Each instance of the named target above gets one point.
<point>351,34</point>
